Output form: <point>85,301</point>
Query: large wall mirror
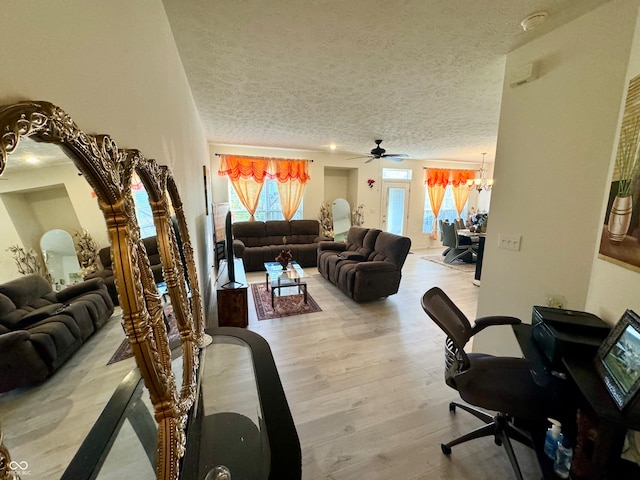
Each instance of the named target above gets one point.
<point>60,258</point>
<point>86,185</point>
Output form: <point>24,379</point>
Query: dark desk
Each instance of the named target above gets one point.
<point>592,394</point>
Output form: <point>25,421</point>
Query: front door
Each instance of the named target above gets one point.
<point>395,207</point>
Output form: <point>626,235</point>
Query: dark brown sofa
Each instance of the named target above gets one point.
<point>40,329</point>
<point>259,242</point>
<point>368,265</point>
<point>106,272</point>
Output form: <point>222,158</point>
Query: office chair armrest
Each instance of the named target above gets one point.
<point>484,322</point>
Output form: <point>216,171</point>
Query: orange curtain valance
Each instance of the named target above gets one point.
<point>257,168</point>
<point>243,167</point>
<point>460,177</point>
<point>436,177</point>
<point>285,170</point>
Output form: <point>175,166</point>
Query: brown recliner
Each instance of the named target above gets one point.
<point>367,266</point>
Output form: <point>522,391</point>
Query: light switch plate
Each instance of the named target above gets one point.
<point>509,242</point>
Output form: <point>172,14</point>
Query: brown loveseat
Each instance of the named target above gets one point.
<point>40,329</point>
<point>106,273</point>
<point>367,266</point>
<point>259,242</point>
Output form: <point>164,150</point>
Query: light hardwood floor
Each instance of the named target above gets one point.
<point>364,383</point>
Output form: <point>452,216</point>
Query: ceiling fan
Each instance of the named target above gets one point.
<point>379,152</point>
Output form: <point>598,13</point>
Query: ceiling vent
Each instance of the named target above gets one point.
<point>534,20</point>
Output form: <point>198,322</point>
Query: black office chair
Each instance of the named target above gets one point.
<point>501,384</point>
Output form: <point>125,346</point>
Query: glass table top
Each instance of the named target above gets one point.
<point>275,273</point>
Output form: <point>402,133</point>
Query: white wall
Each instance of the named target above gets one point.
<point>613,289</point>
<point>555,143</point>
<point>359,191</point>
<point>336,185</point>
<point>80,210</point>
<point>114,67</point>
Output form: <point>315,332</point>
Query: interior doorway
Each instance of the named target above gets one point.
<point>395,202</point>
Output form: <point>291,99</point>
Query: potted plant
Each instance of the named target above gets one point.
<point>627,164</point>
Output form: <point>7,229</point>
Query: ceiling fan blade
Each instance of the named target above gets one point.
<point>359,157</point>
<point>399,155</point>
<point>371,159</point>
<point>395,158</point>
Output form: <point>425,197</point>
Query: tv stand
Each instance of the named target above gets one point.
<point>232,296</point>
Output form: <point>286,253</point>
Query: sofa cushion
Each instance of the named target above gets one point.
<point>151,246</point>
<point>304,231</point>
<point>105,257</point>
<point>355,237</point>
<point>56,339</point>
<point>391,248</point>
<point>278,231</point>
<point>26,290</point>
<point>252,234</point>
<point>37,315</point>
<point>6,305</point>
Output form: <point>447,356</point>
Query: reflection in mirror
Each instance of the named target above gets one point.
<point>133,453</point>
<point>143,208</point>
<point>59,255</point>
<point>341,219</point>
<point>81,391</point>
<point>42,190</point>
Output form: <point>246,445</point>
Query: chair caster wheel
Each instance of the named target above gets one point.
<point>445,449</point>
<point>452,407</point>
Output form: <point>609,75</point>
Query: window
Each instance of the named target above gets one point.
<point>396,174</point>
<point>268,206</point>
<point>143,209</point>
<point>447,210</point>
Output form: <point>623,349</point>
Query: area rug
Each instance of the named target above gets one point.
<point>460,266</point>
<point>285,306</point>
<point>124,350</point>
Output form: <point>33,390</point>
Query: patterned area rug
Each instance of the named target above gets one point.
<point>124,350</point>
<point>457,265</point>
<point>285,306</point>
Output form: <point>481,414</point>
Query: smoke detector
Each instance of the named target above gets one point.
<point>534,20</point>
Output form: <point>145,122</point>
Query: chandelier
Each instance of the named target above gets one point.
<point>481,182</point>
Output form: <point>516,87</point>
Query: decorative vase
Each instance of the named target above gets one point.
<point>284,263</point>
<point>620,218</point>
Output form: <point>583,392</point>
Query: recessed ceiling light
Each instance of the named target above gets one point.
<point>534,20</point>
<point>32,160</point>
<point>333,146</point>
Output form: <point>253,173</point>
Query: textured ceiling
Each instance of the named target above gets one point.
<point>423,75</point>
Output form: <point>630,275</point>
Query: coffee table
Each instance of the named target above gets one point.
<point>277,278</point>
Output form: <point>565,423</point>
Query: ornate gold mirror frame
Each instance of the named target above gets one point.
<point>109,172</point>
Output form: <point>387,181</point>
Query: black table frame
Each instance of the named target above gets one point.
<point>612,423</point>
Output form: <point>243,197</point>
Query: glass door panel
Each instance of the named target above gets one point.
<point>396,198</point>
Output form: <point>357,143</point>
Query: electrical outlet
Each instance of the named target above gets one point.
<point>556,301</point>
<point>509,242</point>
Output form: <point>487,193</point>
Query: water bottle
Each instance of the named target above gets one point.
<point>551,440</point>
<point>564,454</point>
